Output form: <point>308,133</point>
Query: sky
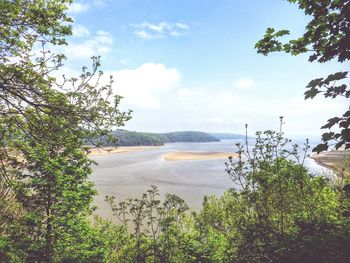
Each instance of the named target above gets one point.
<point>191,65</point>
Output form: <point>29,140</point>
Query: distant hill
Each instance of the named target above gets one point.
<point>132,138</point>
<point>227,136</point>
<point>188,136</point>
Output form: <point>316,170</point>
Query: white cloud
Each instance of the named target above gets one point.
<point>124,61</point>
<point>160,28</point>
<point>182,26</point>
<point>146,85</point>
<point>104,37</point>
<point>244,83</point>
<point>216,120</point>
<point>144,35</point>
<point>160,102</point>
<point>80,31</point>
<point>184,92</point>
<point>78,7</point>
<point>175,33</point>
<point>149,31</point>
<point>100,44</point>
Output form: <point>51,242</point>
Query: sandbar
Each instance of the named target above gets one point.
<point>333,160</point>
<point>182,156</point>
<point>122,149</point>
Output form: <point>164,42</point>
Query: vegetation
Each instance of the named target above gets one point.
<point>131,138</point>
<point>45,194</point>
<point>336,160</point>
<point>277,211</point>
<point>326,38</point>
<point>187,136</point>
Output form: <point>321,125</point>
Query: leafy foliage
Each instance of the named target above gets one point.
<point>132,138</point>
<point>278,211</point>
<point>45,194</point>
<point>158,233</point>
<point>188,136</point>
<point>327,37</point>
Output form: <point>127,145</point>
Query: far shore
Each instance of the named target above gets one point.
<point>332,160</point>
<point>183,156</point>
<point>121,149</point>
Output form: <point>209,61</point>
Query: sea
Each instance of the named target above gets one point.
<point>129,174</point>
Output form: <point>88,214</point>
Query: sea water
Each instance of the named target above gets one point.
<point>129,174</point>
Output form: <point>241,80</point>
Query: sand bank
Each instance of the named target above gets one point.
<point>333,160</point>
<point>123,149</point>
<point>178,156</point>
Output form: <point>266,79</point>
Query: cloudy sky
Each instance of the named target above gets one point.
<point>191,65</point>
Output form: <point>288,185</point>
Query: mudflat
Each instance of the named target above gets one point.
<point>182,156</point>
<point>334,160</point>
<point>124,149</point>
<point>129,174</point>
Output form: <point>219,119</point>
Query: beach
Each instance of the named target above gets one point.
<point>186,156</point>
<point>334,160</point>
<point>123,149</point>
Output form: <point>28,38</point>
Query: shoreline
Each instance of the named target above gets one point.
<point>120,149</point>
<point>331,159</point>
<point>192,156</point>
<point>323,164</point>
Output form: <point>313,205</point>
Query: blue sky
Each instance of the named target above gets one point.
<point>191,65</point>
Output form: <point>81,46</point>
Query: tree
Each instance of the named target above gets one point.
<point>326,37</point>
<point>44,168</point>
<point>278,211</point>
<point>158,228</point>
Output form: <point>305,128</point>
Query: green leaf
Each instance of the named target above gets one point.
<point>327,136</point>
<point>315,82</point>
<point>336,76</point>
<point>320,148</point>
<point>311,93</point>
<point>331,122</point>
